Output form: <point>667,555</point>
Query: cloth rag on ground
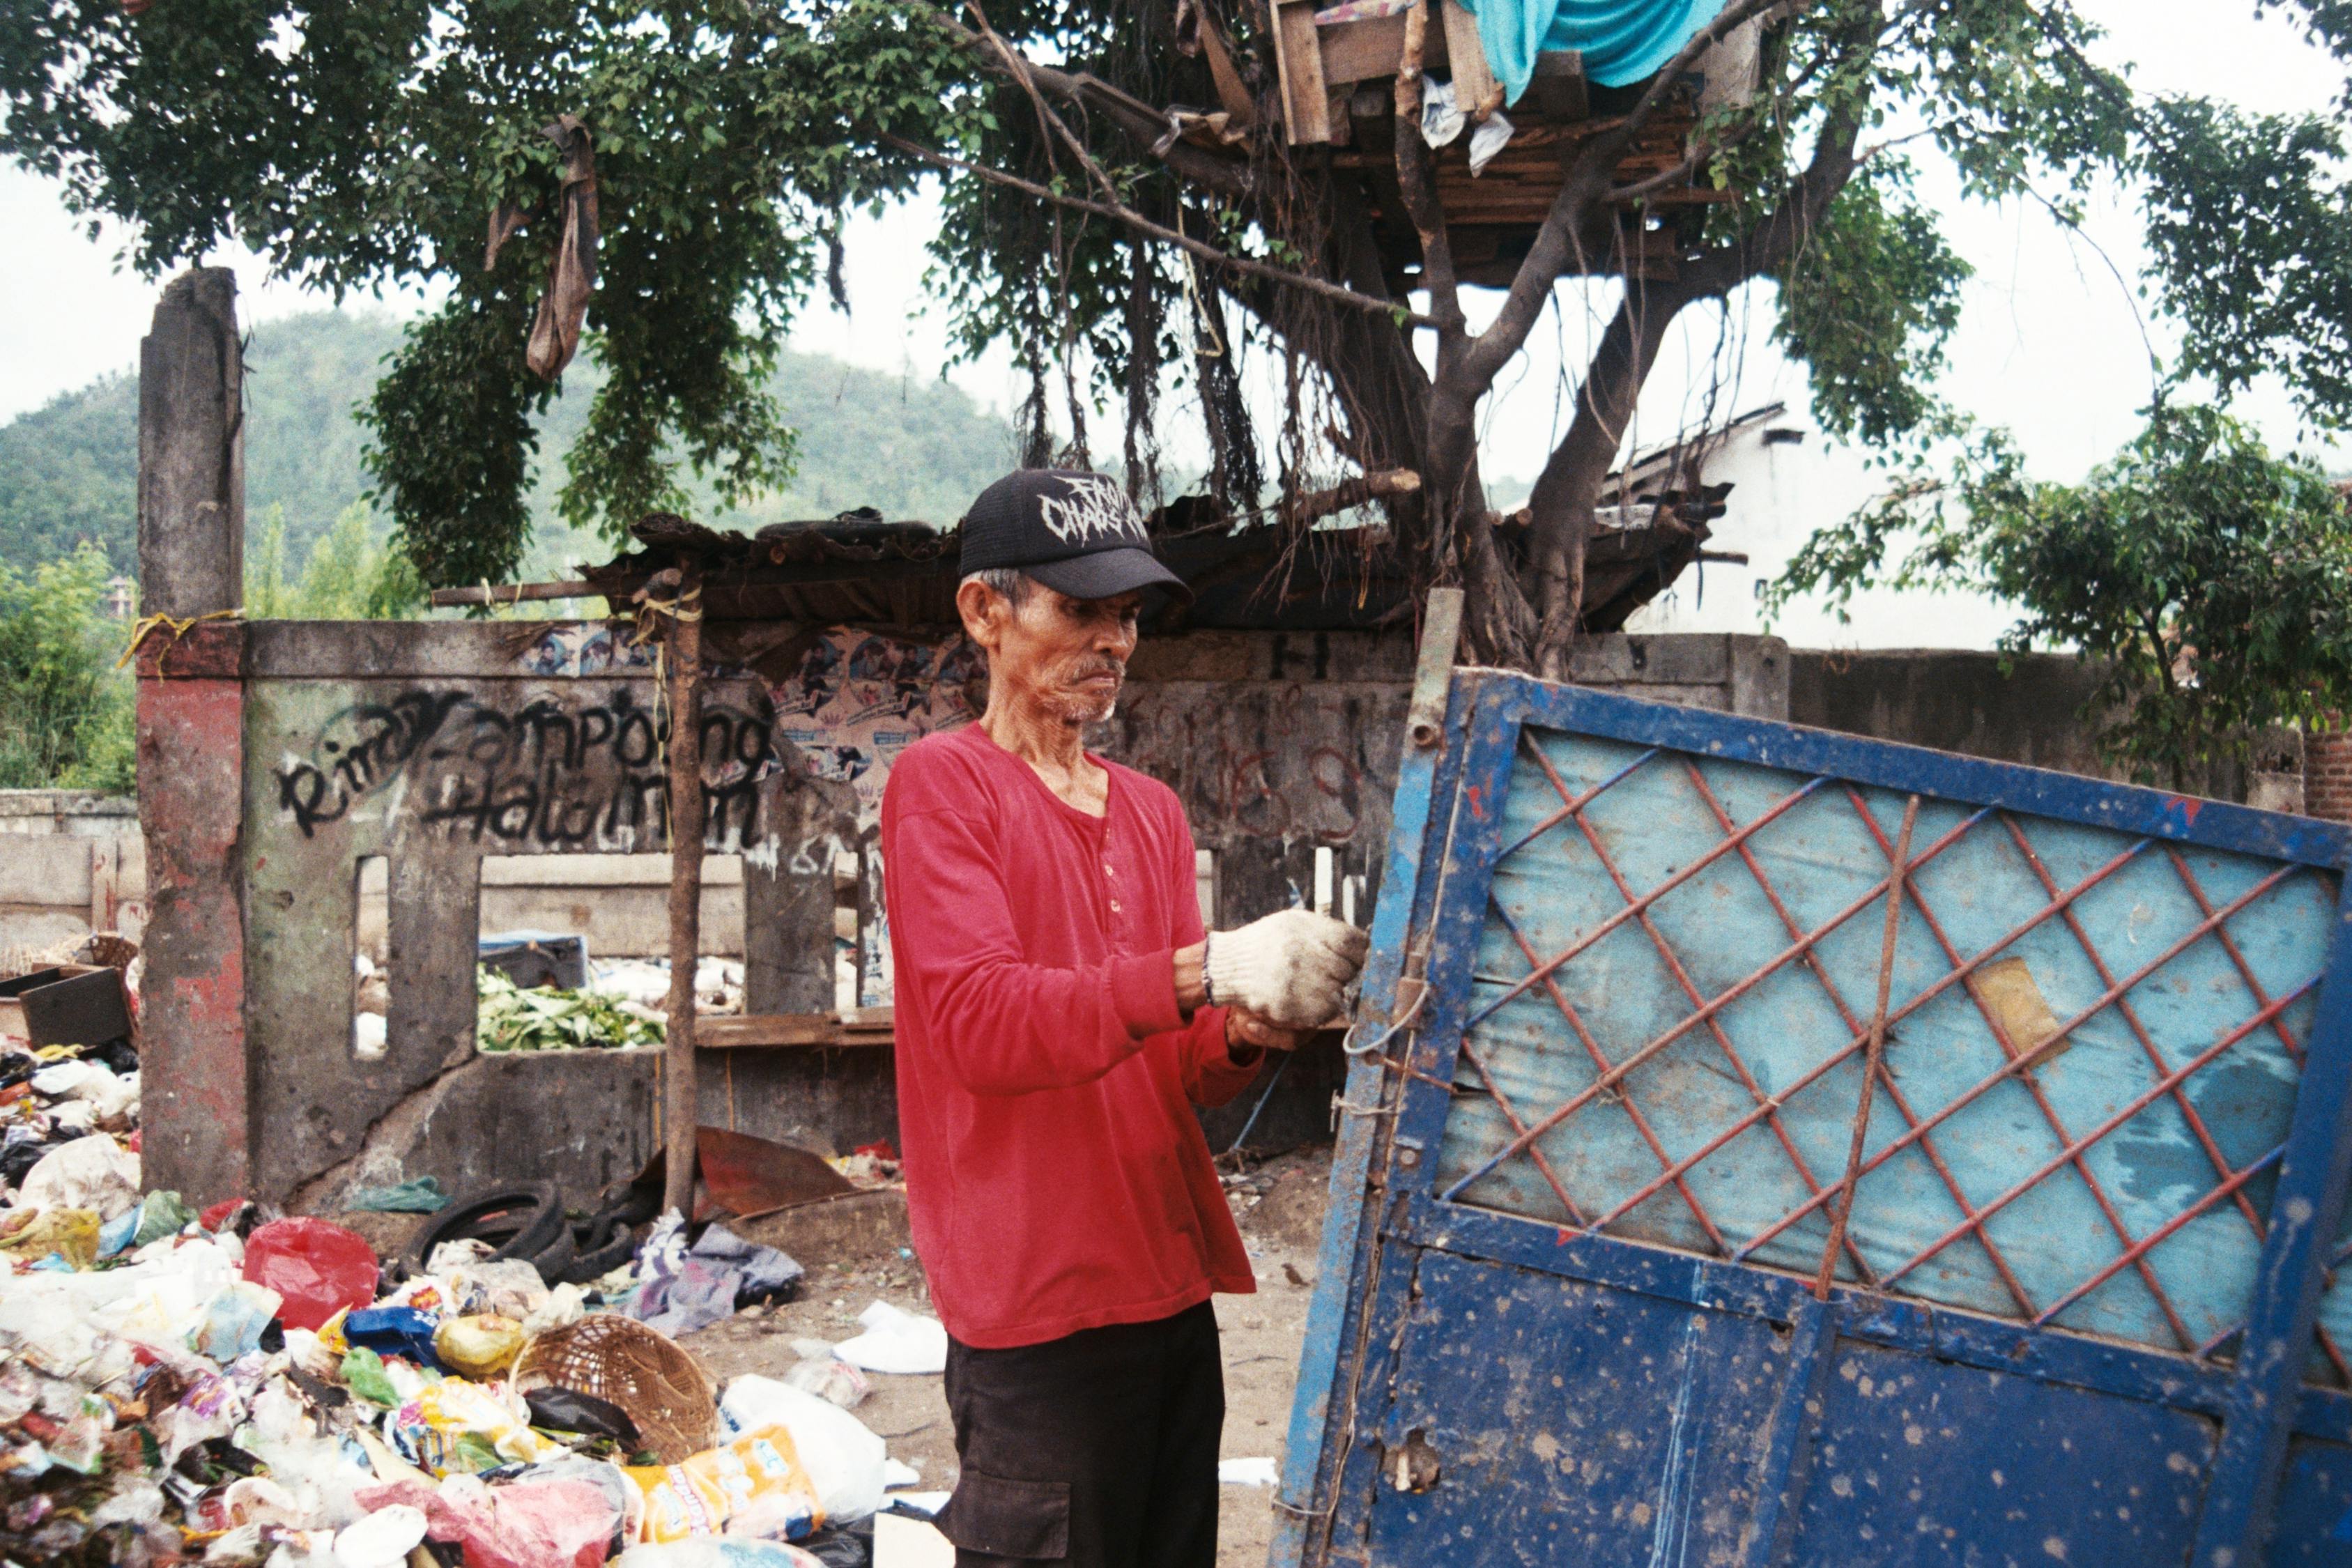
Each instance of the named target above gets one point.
<point>423,1195</point>
<point>1623,41</point>
<point>688,1288</point>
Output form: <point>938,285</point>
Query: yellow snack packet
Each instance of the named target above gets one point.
<point>754,1486</point>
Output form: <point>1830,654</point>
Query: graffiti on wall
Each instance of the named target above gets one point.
<point>584,771</point>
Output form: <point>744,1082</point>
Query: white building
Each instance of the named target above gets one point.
<point>1787,482</point>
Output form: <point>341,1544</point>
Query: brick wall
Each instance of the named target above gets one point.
<point>2327,776</point>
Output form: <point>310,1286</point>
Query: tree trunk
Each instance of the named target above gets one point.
<point>1560,509</point>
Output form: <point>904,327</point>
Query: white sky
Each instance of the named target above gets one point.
<point>2050,344</point>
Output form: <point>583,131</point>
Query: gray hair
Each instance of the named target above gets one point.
<point>1010,580</point>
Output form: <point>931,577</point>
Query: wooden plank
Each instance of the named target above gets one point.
<point>1557,90</point>
<point>1233,94</point>
<point>1359,51</point>
<point>513,593</point>
<point>1298,56</point>
<point>752,1031</point>
<point>680,1104</point>
<point>1475,87</point>
<point>565,871</point>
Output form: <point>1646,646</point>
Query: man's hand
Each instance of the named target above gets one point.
<point>1291,969</point>
<point>1246,1035</point>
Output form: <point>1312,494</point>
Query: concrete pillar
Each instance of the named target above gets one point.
<point>192,451</point>
<point>191,728</point>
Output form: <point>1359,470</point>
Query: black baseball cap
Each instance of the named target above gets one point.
<point>1075,531</point>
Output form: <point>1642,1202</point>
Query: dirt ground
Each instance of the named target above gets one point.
<point>1279,1205</point>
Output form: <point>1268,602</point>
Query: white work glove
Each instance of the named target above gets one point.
<point>1292,968</point>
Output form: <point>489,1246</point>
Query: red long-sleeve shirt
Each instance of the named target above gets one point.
<point>1056,1178</point>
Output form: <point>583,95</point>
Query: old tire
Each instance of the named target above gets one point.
<point>523,1220</point>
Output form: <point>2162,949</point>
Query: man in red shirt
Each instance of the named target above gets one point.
<point>1060,1010</point>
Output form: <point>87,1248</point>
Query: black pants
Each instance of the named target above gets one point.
<point>1098,1450</point>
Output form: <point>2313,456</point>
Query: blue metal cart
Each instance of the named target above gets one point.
<point>1624,1267</point>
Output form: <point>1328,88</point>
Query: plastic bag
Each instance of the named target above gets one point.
<point>70,1233</point>
<point>383,1539</point>
<point>233,1320</point>
<point>1488,139</point>
<point>755,1486</point>
<point>843,1458</point>
<point>362,1373</point>
<point>533,1524</point>
<point>456,1426</point>
<point>896,1341</point>
<point>569,1410</point>
<point>1440,117</point>
<point>831,1379</point>
<point>93,1173</point>
<point>480,1347</point>
<point>161,1215</point>
<point>394,1330</point>
<point>425,1194</point>
<point>717,1554</point>
<point>319,1267</point>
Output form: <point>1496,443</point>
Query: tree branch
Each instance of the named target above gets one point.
<point>1136,220</point>
<point>1017,68</point>
<point>1142,123</point>
<point>1559,509</point>
<point>1419,184</point>
<point>1584,185</point>
<point>1728,21</point>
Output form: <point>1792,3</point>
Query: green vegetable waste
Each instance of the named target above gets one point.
<point>547,1019</point>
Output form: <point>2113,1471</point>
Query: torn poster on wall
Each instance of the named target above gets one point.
<point>857,700</point>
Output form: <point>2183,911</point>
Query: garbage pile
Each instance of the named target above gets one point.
<point>237,1386</point>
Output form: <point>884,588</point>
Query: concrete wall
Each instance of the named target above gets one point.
<point>2024,709</point>
<point>441,746</point>
<point>71,862</point>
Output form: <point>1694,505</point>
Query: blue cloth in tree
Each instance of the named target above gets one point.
<point>1622,41</point>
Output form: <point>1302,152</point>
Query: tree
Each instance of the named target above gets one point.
<point>69,707</point>
<point>1111,237</point>
<point>2211,580</point>
<point>350,574</point>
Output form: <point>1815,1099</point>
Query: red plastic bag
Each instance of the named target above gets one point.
<point>318,1267</point>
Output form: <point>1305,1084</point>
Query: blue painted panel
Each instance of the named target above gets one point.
<point>1918,1461</point>
<point>1569,1423</point>
<point>2314,1507</point>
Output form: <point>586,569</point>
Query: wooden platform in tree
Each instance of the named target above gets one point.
<point>1337,80</point>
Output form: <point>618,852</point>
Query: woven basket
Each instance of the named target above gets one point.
<point>616,1359</point>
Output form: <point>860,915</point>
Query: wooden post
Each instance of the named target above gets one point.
<point>680,1099</point>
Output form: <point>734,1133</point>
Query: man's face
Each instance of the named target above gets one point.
<point>1066,657</point>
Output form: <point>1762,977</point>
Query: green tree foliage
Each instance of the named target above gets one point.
<point>69,475</point>
<point>366,144</point>
<point>68,707</point>
<point>352,573</point>
<point>2210,579</point>
<point>911,445</point>
<point>360,144</point>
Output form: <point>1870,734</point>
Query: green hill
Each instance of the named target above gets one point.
<point>914,447</point>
